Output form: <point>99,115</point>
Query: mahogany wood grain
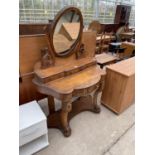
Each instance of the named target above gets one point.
<point>70,76</point>
<point>75,82</point>
<point>68,68</point>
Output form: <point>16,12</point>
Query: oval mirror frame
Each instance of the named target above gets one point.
<point>53,27</point>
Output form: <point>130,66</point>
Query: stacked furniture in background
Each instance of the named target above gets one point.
<point>122,14</point>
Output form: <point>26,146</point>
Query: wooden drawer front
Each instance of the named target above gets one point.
<point>32,132</point>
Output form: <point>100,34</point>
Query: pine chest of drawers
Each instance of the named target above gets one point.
<point>119,90</point>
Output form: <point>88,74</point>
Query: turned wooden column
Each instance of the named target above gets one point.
<point>96,106</point>
<point>95,95</point>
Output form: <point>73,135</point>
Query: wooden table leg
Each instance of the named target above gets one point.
<point>96,106</point>
<point>95,95</point>
<point>66,108</point>
<point>51,104</point>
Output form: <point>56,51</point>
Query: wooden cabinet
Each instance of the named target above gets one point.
<point>119,91</point>
<point>122,14</point>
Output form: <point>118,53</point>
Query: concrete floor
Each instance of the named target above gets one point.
<point>94,134</point>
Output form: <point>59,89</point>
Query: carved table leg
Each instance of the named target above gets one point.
<point>96,106</point>
<point>66,108</point>
<point>95,95</point>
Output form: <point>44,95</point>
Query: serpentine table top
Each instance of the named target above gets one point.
<point>69,78</point>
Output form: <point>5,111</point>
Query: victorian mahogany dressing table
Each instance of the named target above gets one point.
<point>66,73</point>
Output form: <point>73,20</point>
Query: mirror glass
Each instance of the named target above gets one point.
<point>66,32</point>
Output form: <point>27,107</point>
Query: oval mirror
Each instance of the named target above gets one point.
<point>65,31</point>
